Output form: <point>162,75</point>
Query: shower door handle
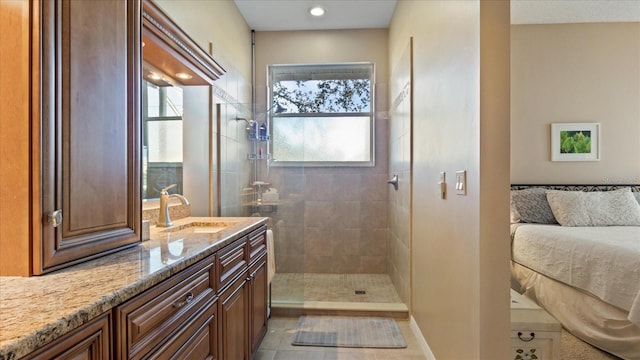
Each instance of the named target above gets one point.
<point>394,181</point>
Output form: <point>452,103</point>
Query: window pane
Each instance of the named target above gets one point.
<point>324,96</point>
<point>322,139</point>
<point>323,114</point>
<point>153,100</point>
<point>163,101</point>
<point>165,141</point>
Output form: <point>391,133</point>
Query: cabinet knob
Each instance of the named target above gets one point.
<point>55,218</point>
<point>187,300</point>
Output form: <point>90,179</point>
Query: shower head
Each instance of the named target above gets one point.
<point>248,121</point>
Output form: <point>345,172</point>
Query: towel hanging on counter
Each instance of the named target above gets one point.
<point>271,260</point>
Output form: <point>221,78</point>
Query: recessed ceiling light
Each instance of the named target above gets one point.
<point>154,76</point>
<point>183,76</point>
<point>316,11</point>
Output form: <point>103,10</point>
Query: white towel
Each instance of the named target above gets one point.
<point>271,259</point>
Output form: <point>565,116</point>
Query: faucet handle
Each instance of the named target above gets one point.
<point>165,191</point>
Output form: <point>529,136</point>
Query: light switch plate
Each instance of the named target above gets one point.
<point>461,182</point>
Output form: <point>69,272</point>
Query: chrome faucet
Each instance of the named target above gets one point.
<point>164,220</point>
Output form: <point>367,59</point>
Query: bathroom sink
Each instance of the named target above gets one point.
<point>201,227</point>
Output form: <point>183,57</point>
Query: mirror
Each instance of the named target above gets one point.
<point>172,62</point>
<point>162,109</point>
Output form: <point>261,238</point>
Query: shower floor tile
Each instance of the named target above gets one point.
<point>305,287</point>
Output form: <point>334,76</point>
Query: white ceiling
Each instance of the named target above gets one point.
<point>573,11</point>
<point>277,15</point>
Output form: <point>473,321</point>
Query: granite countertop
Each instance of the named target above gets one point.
<point>37,310</point>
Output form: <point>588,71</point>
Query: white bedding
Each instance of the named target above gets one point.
<point>603,261</point>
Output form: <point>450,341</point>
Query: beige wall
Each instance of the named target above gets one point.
<point>220,25</point>
<point>460,274</point>
<point>575,73</point>
<point>339,222</point>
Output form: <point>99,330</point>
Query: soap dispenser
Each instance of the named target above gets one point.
<point>264,132</point>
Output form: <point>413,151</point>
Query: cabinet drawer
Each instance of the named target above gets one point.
<point>146,320</point>
<point>197,339</point>
<point>231,262</point>
<point>90,341</point>
<point>545,345</point>
<point>257,244</point>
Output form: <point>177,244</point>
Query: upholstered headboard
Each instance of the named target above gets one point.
<point>634,187</point>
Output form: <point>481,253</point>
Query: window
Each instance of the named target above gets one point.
<point>323,114</point>
<point>161,139</point>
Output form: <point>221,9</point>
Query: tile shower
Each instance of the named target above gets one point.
<point>331,226</point>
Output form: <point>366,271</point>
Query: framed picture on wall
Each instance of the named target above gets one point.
<point>575,142</point>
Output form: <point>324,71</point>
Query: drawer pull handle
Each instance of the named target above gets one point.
<point>532,336</point>
<point>185,302</point>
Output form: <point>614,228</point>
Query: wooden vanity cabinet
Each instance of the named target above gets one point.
<point>165,318</point>
<point>234,320</point>
<point>243,304</point>
<point>258,305</point>
<point>91,341</point>
<point>214,309</point>
<point>258,287</point>
<point>81,121</point>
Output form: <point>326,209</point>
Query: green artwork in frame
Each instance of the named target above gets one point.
<point>575,142</point>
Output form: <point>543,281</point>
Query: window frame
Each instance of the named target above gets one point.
<point>370,114</point>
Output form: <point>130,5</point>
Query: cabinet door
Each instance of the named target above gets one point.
<point>258,294</point>
<point>234,321</point>
<point>91,341</point>
<point>90,120</point>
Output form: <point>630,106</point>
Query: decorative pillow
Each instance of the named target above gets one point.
<point>599,208</point>
<point>531,206</point>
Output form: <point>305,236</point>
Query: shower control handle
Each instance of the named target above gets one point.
<point>394,181</point>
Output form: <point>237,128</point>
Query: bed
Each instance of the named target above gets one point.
<point>576,252</point>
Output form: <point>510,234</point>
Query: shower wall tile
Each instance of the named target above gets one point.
<point>347,242</point>
<point>319,241</point>
<point>345,264</point>
<point>318,187</point>
<point>290,240</point>
<point>399,209</point>
<point>342,212</point>
<point>291,213</point>
<point>347,187</point>
<point>374,215</point>
<point>348,214</point>
<point>319,214</point>
<point>372,264</point>
<point>290,263</point>
<point>375,242</point>
<point>320,264</point>
<point>374,187</point>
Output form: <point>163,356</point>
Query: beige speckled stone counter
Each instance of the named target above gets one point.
<point>37,310</point>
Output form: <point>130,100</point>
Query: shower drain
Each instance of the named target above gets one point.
<point>360,292</point>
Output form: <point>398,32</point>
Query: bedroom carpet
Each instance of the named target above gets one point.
<point>345,331</point>
<point>573,348</point>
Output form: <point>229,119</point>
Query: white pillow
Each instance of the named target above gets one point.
<point>599,208</point>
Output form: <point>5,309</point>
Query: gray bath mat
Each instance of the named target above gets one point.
<point>346,331</point>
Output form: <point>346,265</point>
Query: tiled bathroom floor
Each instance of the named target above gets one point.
<point>298,287</point>
<point>277,346</point>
